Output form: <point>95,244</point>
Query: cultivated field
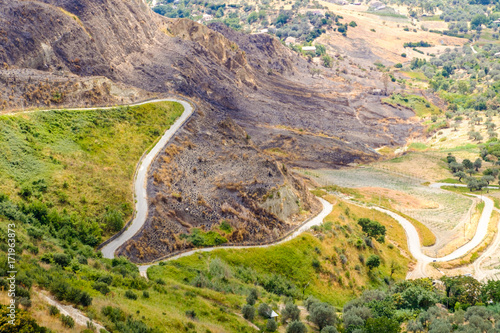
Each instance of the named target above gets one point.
<point>450,208</point>
<point>384,35</point>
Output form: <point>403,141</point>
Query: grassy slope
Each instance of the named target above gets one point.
<point>85,158</point>
<point>331,281</point>
<point>418,104</point>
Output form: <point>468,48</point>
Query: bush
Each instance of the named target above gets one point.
<point>296,327</point>
<point>252,297</point>
<point>67,321</point>
<point>101,287</point>
<point>145,294</point>
<point>322,314</point>
<point>264,310</point>
<point>62,259</point>
<point>291,311</point>
<point>191,314</point>
<point>329,329</point>
<point>271,325</point>
<point>248,312</point>
<point>53,311</point>
<point>130,295</point>
<point>373,261</point>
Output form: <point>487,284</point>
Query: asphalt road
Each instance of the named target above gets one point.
<point>317,220</point>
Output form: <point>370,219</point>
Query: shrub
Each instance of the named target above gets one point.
<point>101,287</point>
<point>191,314</point>
<point>271,325</point>
<point>264,310</point>
<point>130,295</point>
<point>322,314</point>
<point>53,311</point>
<point>248,312</point>
<point>252,297</point>
<point>296,327</point>
<point>145,294</point>
<point>67,321</point>
<point>62,259</point>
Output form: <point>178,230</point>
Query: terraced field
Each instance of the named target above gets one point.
<point>451,208</point>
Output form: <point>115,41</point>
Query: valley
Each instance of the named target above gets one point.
<point>271,166</point>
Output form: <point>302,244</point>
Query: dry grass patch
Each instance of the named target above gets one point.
<point>478,251</point>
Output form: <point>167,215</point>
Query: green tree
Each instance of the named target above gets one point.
<point>264,310</point>
<point>248,312</point>
<point>373,261</point>
<point>113,220</point>
<point>467,164</point>
<point>460,175</point>
<point>219,13</point>
<point>477,164</point>
<point>290,312</point>
<point>372,229</point>
<point>62,259</point>
<point>253,17</point>
<point>487,179</point>
<point>327,61</point>
<point>463,87</point>
<point>252,297</point>
<point>320,50</point>
<point>322,314</point>
<point>296,327</point>
<point>329,329</point>
<point>271,325</point>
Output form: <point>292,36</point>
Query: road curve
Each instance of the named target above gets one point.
<point>140,193</point>
<point>414,240</point>
<point>317,220</point>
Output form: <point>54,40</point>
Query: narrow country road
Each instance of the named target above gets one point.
<point>317,220</point>
<point>414,240</point>
<point>140,181</point>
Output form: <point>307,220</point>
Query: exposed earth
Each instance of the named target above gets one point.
<point>260,109</point>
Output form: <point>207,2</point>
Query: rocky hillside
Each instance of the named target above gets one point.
<point>261,108</point>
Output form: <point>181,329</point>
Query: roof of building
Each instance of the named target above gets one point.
<point>308,48</point>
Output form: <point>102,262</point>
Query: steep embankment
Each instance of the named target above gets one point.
<point>260,109</point>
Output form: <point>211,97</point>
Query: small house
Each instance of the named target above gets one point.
<point>309,48</point>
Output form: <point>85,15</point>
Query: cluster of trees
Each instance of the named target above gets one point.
<point>306,27</point>
<point>414,303</point>
<point>417,44</point>
<point>467,168</point>
<point>283,23</point>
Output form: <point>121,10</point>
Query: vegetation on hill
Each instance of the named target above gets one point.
<point>69,173</point>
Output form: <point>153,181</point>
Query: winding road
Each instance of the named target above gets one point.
<point>414,244</point>
<point>141,210</point>
<point>414,240</point>
<point>140,181</point>
<point>316,220</point>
